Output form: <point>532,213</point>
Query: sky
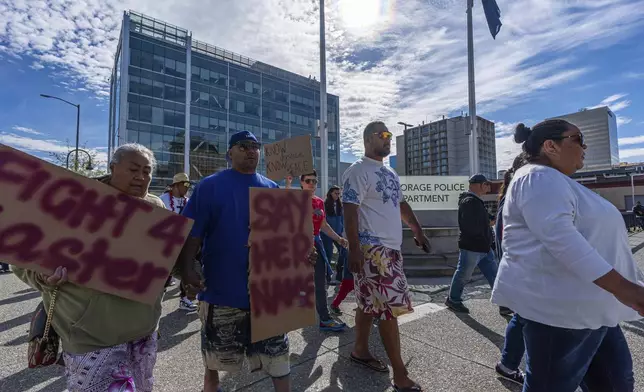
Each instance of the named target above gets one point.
<point>390,60</point>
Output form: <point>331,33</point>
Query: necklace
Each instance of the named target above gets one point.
<point>183,204</point>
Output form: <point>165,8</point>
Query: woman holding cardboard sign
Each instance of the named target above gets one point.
<point>109,343</point>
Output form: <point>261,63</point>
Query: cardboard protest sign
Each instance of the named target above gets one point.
<point>288,157</point>
<point>281,278</point>
<point>107,240</point>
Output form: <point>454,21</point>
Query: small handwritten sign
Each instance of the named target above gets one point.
<point>281,277</point>
<point>289,157</point>
<point>107,240</point>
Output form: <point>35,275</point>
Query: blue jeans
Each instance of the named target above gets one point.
<point>467,262</point>
<point>328,249</point>
<point>320,272</point>
<point>513,347</point>
<point>559,359</point>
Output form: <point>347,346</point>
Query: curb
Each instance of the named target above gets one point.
<point>433,292</point>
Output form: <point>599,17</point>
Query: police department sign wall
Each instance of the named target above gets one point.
<point>433,192</point>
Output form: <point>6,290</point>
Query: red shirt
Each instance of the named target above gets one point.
<point>318,214</point>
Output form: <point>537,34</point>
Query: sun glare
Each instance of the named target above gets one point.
<point>361,15</point>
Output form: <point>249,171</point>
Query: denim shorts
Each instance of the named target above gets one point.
<point>226,343</point>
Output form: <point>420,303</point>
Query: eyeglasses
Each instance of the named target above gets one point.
<point>246,146</point>
<point>386,135</point>
<point>311,181</point>
<point>578,136</point>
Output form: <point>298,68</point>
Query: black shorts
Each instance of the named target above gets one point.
<point>226,342</point>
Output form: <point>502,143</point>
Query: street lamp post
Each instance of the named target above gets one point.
<point>89,157</point>
<point>77,106</point>
<point>404,124</point>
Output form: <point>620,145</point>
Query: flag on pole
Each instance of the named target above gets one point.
<point>493,16</point>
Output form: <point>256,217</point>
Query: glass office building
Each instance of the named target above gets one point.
<point>183,99</point>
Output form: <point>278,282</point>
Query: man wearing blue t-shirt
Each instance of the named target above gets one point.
<point>220,208</point>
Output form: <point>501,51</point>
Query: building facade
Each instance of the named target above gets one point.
<point>599,127</point>
<point>183,99</point>
<point>441,148</point>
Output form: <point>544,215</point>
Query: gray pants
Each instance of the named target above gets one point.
<point>320,283</point>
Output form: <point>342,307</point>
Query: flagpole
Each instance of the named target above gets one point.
<point>474,145</point>
<point>324,142</point>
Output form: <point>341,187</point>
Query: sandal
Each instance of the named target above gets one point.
<point>413,388</point>
<point>372,363</point>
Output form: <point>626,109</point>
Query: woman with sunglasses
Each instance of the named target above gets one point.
<point>309,183</point>
<point>567,269</point>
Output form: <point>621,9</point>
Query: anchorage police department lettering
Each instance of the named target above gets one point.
<point>433,192</point>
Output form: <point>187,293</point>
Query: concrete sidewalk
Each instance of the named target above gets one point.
<point>445,351</point>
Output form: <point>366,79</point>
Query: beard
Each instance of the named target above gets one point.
<point>383,152</point>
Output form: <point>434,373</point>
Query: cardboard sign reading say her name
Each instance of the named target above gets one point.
<point>289,157</point>
<point>281,277</point>
<point>107,240</point>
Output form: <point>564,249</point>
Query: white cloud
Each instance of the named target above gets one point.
<point>43,147</point>
<point>614,102</point>
<point>627,141</point>
<point>634,75</point>
<point>621,120</point>
<point>30,131</point>
<point>506,151</point>
<point>31,144</point>
<point>401,62</point>
<point>630,153</point>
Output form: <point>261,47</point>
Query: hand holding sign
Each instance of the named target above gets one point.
<point>288,157</point>
<point>313,256</point>
<point>58,278</point>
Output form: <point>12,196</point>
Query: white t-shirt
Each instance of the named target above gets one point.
<point>559,237</point>
<point>178,202</point>
<point>376,189</point>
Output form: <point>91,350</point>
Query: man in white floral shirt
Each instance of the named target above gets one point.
<point>373,209</point>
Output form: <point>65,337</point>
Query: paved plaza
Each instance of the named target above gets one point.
<point>445,351</point>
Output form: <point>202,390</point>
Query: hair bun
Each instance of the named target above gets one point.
<point>521,133</point>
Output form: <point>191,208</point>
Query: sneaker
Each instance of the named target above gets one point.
<point>505,312</point>
<point>335,310</point>
<point>456,306</point>
<point>332,326</point>
<point>186,304</point>
<point>516,376</point>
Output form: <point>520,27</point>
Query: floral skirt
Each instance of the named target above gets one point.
<point>127,367</point>
<point>381,287</point>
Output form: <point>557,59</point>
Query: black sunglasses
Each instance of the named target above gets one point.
<point>311,181</point>
<point>578,136</point>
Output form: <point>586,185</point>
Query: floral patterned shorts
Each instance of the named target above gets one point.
<point>127,367</point>
<point>381,287</point>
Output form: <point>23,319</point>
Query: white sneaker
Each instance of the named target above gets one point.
<point>186,304</point>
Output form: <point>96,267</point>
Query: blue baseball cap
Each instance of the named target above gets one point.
<point>240,137</point>
<point>478,179</point>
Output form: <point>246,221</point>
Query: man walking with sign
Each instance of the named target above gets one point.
<point>373,209</point>
<point>220,207</point>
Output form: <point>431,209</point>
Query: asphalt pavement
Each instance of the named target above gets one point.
<point>444,351</point>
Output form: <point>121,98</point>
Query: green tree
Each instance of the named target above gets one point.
<point>95,169</point>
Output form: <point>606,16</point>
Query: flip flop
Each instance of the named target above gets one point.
<point>414,388</point>
<point>369,363</point>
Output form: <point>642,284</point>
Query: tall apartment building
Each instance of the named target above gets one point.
<point>599,127</point>
<point>183,98</point>
<point>441,148</point>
